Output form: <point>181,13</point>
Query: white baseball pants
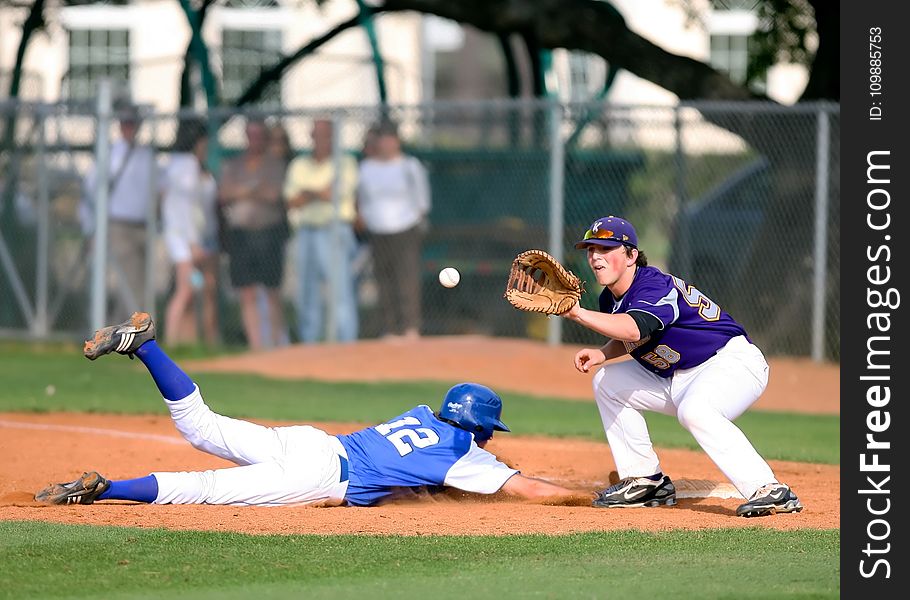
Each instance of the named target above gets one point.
<point>279,465</point>
<point>705,399</point>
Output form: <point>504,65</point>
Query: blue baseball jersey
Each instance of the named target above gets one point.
<point>416,449</point>
<point>693,327</point>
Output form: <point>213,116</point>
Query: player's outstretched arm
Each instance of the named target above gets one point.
<point>536,489</point>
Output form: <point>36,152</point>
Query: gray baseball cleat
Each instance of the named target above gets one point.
<point>123,339</point>
<point>770,499</point>
<point>634,492</point>
<point>84,490</point>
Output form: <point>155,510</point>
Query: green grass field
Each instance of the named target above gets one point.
<point>43,560</point>
<point>46,560</point>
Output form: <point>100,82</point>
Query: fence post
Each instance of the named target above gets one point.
<point>102,190</point>
<point>151,223</point>
<point>683,249</point>
<point>335,234</point>
<point>557,208</point>
<point>40,324</point>
<point>823,145</point>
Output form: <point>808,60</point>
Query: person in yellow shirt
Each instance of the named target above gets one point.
<point>321,215</point>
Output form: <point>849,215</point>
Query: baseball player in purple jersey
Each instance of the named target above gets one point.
<point>302,465</point>
<point>691,360</point>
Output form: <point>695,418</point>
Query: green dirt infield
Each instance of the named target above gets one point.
<point>41,560</point>
<point>57,378</point>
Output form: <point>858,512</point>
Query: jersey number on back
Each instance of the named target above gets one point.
<point>707,309</point>
<point>420,437</point>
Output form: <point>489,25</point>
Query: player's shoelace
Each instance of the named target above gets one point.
<point>623,483</point>
<point>617,486</point>
<point>765,490</point>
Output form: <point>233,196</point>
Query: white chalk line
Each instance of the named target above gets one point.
<point>92,431</point>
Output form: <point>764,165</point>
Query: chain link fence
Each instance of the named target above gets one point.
<point>741,200</point>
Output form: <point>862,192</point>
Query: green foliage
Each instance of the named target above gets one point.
<point>44,560</point>
<point>785,34</point>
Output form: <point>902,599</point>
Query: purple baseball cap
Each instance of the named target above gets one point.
<point>609,232</point>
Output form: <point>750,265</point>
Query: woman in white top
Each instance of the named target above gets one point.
<point>393,203</point>
<point>191,235</point>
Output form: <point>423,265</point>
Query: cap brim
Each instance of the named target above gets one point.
<point>500,426</point>
<point>595,242</point>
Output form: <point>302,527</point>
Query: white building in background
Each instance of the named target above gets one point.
<point>141,43</point>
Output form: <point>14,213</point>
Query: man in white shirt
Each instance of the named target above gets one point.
<point>394,204</point>
<point>134,180</point>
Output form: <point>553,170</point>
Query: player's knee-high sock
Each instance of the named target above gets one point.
<point>143,489</point>
<point>173,383</point>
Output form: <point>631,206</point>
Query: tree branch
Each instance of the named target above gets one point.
<point>592,26</point>
<point>185,84</point>
<point>275,72</point>
<point>201,51</point>
<point>824,73</point>
<point>33,23</point>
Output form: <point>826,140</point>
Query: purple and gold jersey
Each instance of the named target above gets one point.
<point>693,327</point>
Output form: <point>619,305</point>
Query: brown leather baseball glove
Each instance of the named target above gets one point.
<point>539,283</point>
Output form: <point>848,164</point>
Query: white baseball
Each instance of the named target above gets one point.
<point>449,277</point>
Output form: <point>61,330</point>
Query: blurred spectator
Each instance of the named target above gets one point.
<point>279,147</point>
<point>364,279</point>
<point>324,242</point>
<point>134,180</point>
<point>369,143</point>
<point>190,220</point>
<point>280,143</point>
<point>250,192</point>
<point>393,207</point>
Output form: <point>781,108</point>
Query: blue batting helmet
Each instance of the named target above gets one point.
<point>475,408</point>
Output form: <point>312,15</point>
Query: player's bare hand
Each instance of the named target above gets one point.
<point>588,358</point>
<point>573,313</point>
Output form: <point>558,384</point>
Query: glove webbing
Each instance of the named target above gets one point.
<point>528,279</point>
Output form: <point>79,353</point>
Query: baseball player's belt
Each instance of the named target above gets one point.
<point>344,469</point>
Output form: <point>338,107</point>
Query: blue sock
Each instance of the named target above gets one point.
<point>655,477</point>
<point>172,382</point>
<point>144,489</point>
